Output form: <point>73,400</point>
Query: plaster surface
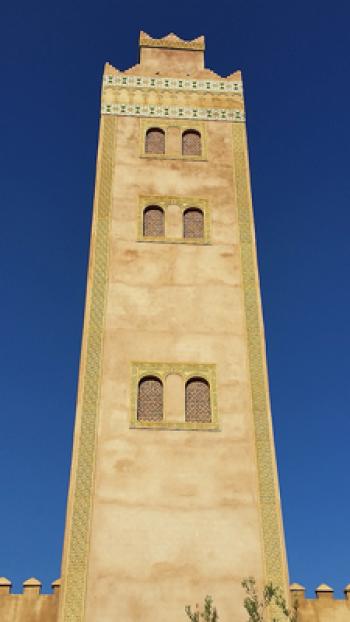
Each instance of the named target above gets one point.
<point>173,515</point>
<point>175,512</point>
<point>28,608</point>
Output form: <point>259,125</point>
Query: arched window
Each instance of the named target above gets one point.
<point>197,400</point>
<point>153,222</point>
<point>191,143</point>
<point>193,219</point>
<point>150,399</point>
<point>155,140</point>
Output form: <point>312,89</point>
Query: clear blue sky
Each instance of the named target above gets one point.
<point>295,62</point>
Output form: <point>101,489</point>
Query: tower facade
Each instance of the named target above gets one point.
<point>173,491</point>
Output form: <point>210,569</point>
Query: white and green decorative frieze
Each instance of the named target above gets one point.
<point>174,112</point>
<point>174,84</point>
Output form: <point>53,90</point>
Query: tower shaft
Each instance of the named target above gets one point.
<point>173,492</point>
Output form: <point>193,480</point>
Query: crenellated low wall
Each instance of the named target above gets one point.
<point>31,605</point>
<point>323,608</point>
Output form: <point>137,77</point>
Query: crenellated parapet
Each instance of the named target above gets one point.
<point>31,605</point>
<point>171,81</point>
<point>324,607</point>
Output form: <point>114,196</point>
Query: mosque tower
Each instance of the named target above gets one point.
<point>173,491</point>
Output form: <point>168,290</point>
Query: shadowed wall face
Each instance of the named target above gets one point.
<point>324,607</point>
<point>31,605</point>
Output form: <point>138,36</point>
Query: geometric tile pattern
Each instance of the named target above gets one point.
<point>155,141</point>
<point>174,112</point>
<point>153,222</point>
<point>193,223</point>
<point>150,400</point>
<point>173,84</point>
<point>82,478</point>
<point>197,400</point>
<point>191,143</point>
<point>273,538</point>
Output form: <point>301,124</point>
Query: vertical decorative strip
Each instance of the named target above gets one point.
<point>75,563</point>
<point>272,530</point>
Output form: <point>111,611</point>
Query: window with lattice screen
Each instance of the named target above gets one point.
<point>191,143</point>
<point>193,223</point>
<point>155,140</point>
<point>153,222</point>
<point>150,399</point>
<point>197,401</point>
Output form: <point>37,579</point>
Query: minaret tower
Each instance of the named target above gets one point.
<point>173,492</point>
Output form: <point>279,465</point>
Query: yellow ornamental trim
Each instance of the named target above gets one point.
<point>76,551</point>
<point>271,520</point>
<point>183,203</point>
<point>161,371</point>
<point>171,42</point>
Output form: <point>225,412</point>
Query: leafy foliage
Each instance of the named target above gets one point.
<point>257,607</point>
<point>209,613</point>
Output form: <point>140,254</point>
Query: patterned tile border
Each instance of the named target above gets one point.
<point>77,538</point>
<point>174,112</point>
<point>270,505</point>
<point>174,84</point>
<point>161,371</point>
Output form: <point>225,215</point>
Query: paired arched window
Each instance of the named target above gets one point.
<point>153,222</point>
<point>150,399</point>
<point>193,223</point>
<point>197,401</point>
<point>191,143</point>
<point>155,140</point>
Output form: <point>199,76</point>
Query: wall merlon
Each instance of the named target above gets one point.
<point>31,605</point>
<point>297,591</point>
<point>5,586</point>
<point>56,586</point>
<point>32,587</point>
<point>109,70</point>
<point>324,607</point>
<point>324,591</point>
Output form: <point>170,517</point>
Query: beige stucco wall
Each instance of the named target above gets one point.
<point>324,607</point>
<point>23,608</point>
<point>321,610</point>
<point>175,513</point>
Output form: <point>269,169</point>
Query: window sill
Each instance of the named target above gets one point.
<point>195,241</point>
<point>165,156</point>
<point>212,426</point>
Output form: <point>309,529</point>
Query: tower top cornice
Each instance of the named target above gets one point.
<point>172,42</point>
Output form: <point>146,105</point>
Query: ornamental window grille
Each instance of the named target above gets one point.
<point>155,140</point>
<point>193,222</point>
<point>153,222</point>
<point>197,401</point>
<point>191,143</point>
<point>150,399</point>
